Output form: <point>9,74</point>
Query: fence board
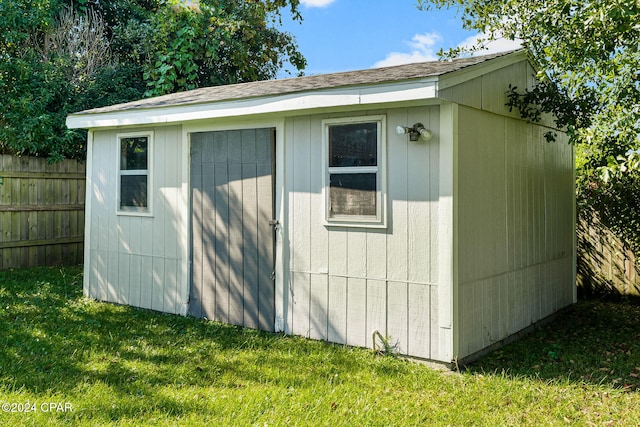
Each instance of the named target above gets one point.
<point>41,212</point>
<point>605,263</point>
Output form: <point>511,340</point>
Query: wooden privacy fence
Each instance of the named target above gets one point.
<point>41,212</point>
<point>605,264</point>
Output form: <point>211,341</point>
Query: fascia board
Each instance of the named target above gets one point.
<point>303,101</point>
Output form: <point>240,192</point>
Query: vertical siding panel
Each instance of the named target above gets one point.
<point>170,286</point>
<point>135,277</point>
<point>146,281</point>
<point>337,310</point>
<point>376,309</point>
<point>434,190</point>
<point>418,227</point>
<point>319,234</point>
<point>512,302</point>
<point>109,192</point>
<point>397,315</point>
<point>160,206</point>
<point>510,176</point>
<point>234,146</point>
<point>171,191</point>
<point>220,147</point>
<point>464,324</point>
<point>419,317</point>
<point>356,312</point>
<point>250,237</point>
<point>318,309</point>
<point>135,236</point>
<point>376,253</point>
<point>236,273</point>
<point>113,290</point>
<point>435,330</point>
<point>197,254</point>
<point>248,145</point>
<point>481,196</point>
<point>338,252</point>
<point>356,252</point>
<point>124,238</point>
<point>208,237</point>
<point>289,224</point>
<point>249,228</point>
<point>102,291</point>
<point>157,291</point>
<point>397,182</point>
<point>301,235</point>
<point>264,145</point>
<point>91,283</point>
<point>265,235</point>
<point>222,243</point>
<point>123,279</point>
<point>300,286</point>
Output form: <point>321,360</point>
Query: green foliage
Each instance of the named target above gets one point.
<point>150,48</point>
<point>589,71</point>
<point>588,50</point>
<point>214,43</point>
<point>615,199</point>
<point>546,97</point>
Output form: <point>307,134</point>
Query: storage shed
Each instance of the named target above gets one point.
<point>406,200</point>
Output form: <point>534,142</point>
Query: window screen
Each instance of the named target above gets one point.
<point>353,150</point>
<point>134,173</point>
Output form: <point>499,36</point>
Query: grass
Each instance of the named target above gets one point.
<point>122,366</point>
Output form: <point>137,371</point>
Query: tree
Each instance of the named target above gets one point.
<point>212,43</point>
<point>585,51</point>
<point>588,57</point>
<point>62,56</point>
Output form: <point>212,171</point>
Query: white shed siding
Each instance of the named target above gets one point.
<point>346,282</point>
<point>132,259</point>
<point>515,217</point>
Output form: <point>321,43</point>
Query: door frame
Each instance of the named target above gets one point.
<point>281,252</point>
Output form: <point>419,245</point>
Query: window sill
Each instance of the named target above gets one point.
<point>355,224</point>
<point>134,213</point>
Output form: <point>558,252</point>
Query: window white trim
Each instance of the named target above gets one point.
<point>148,211</point>
<point>380,219</point>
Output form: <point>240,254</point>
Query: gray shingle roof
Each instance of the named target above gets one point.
<point>301,84</point>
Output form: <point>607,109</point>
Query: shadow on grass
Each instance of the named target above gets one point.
<point>52,340</point>
<point>598,342</point>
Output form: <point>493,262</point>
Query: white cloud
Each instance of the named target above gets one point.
<point>422,50</point>
<point>316,3</point>
<point>494,46</point>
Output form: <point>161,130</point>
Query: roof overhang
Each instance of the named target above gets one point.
<point>306,101</point>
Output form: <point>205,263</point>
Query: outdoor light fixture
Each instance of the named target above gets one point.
<point>416,133</point>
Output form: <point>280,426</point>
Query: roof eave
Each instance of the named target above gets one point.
<point>398,91</point>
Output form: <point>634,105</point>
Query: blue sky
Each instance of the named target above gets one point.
<point>342,35</point>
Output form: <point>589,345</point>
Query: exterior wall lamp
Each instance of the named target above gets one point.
<point>416,133</point>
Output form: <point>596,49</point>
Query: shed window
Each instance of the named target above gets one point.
<point>354,178</point>
<point>134,176</point>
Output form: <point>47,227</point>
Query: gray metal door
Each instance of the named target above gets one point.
<point>232,205</point>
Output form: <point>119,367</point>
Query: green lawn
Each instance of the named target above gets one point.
<point>115,365</point>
